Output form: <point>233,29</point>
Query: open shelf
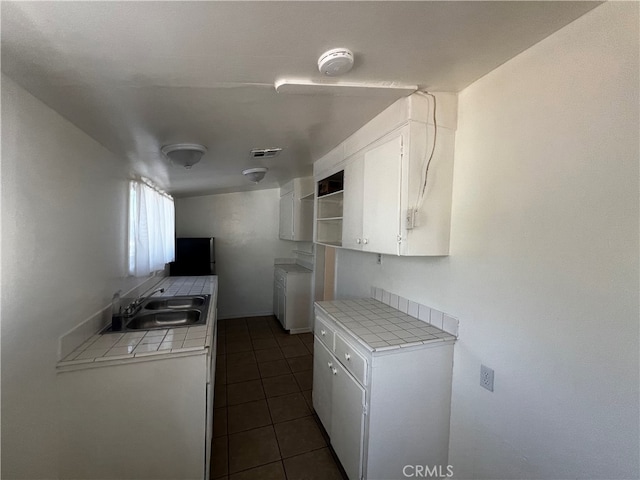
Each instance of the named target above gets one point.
<point>329,231</point>
<point>329,208</point>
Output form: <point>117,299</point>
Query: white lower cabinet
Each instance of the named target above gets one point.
<point>279,300</point>
<point>143,419</point>
<point>339,402</point>
<point>323,363</point>
<point>292,297</point>
<point>382,410</point>
<point>347,420</point>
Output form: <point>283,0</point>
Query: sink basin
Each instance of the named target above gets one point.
<point>166,312</point>
<point>165,319</point>
<point>174,303</point>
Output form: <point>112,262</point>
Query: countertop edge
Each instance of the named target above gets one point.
<point>63,367</point>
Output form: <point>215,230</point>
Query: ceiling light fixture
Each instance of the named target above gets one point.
<point>184,154</point>
<point>255,174</point>
<point>336,61</point>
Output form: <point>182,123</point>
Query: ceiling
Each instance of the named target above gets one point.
<point>139,75</point>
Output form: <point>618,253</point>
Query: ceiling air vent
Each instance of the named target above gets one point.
<point>265,152</point>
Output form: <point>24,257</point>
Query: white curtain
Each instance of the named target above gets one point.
<point>151,229</point>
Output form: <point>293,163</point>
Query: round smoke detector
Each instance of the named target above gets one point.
<point>335,62</point>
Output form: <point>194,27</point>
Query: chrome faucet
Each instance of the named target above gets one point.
<point>117,323</point>
<point>116,307</point>
<point>134,306</point>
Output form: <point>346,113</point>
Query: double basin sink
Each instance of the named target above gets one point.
<point>169,312</point>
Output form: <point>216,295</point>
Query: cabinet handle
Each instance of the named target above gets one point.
<point>335,372</point>
<point>323,333</point>
<point>329,364</point>
<point>358,241</point>
<point>347,357</point>
<point>365,241</point>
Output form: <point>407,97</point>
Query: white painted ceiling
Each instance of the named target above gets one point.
<point>139,75</point>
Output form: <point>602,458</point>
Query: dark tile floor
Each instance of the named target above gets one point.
<point>263,424</point>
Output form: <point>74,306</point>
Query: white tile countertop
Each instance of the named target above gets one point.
<point>110,347</point>
<point>380,327</point>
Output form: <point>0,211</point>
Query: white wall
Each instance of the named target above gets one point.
<point>64,203</point>
<point>543,272</point>
<point>245,227</point>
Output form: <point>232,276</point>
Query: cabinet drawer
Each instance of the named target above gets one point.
<point>351,359</point>
<point>280,277</point>
<point>325,333</point>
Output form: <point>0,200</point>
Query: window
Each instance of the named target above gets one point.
<point>151,229</point>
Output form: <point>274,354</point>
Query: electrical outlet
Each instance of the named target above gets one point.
<point>379,261</point>
<point>486,378</point>
<point>411,219</point>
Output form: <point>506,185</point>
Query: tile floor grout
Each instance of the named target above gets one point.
<point>317,460</point>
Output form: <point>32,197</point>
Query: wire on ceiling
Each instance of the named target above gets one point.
<point>427,159</point>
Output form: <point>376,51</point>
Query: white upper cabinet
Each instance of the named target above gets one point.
<point>286,216</point>
<point>381,208</point>
<point>398,176</point>
<point>353,197</point>
<point>371,216</point>
<point>296,210</point>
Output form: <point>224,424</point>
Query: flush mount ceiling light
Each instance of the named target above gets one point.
<point>255,174</point>
<point>336,61</point>
<point>184,154</point>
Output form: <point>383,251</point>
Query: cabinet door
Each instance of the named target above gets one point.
<point>276,310</point>
<point>381,199</point>
<point>282,306</point>
<point>347,420</point>
<point>279,302</point>
<point>323,363</point>
<point>303,220</point>
<point>209,434</point>
<point>297,294</point>
<point>286,216</point>
<point>352,204</point>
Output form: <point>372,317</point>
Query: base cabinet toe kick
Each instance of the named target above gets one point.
<point>386,410</point>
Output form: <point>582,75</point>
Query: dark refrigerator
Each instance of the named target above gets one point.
<point>194,256</point>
